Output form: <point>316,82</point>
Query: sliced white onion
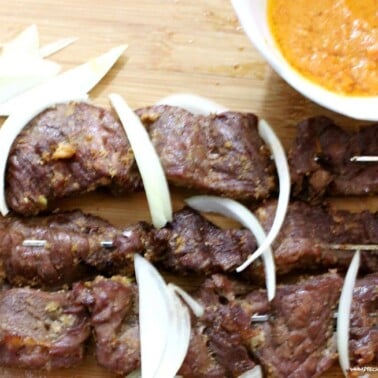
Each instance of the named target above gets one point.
<point>256,372</point>
<point>232,209</point>
<point>154,315</point>
<point>80,79</point>
<point>27,71</point>
<point>56,46</point>
<point>21,66</point>
<point>282,167</point>
<point>164,323</point>
<point>192,103</point>
<point>196,307</point>
<point>16,122</point>
<point>178,340</point>
<point>26,42</point>
<point>200,105</point>
<point>343,316</point>
<point>150,168</point>
<point>134,374</point>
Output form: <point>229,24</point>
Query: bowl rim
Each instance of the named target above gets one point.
<point>358,107</point>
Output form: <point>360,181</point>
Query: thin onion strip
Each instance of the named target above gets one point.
<point>16,122</point>
<point>343,317</point>
<point>282,167</point>
<point>256,372</point>
<point>196,307</point>
<point>164,323</point>
<point>150,168</point>
<point>56,46</point>
<point>178,338</point>
<point>80,79</point>
<point>154,316</point>
<point>27,42</point>
<point>232,209</point>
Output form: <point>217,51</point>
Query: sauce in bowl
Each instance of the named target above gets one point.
<point>334,43</point>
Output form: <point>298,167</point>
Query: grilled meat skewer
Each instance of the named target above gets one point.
<point>71,250</point>
<point>296,341</point>
<point>75,148</point>
<point>323,160</point>
<point>72,245</point>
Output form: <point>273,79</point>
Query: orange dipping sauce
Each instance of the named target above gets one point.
<point>331,42</point>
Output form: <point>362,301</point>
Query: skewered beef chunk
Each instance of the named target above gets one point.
<point>41,330</point>
<point>113,309</point>
<point>363,343</point>
<point>194,244</point>
<point>320,160</point>
<point>221,154</point>
<point>297,340</point>
<point>68,149</point>
<point>73,245</point>
<point>304,239</point>
<point>221,338</point>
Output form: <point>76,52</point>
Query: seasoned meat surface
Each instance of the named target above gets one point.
<point>73,248</point>
<point>320,160</point>
<point>363,342</point>
<point>114,317</point>
<point>221,338</point>
<point>193,244</point>
<point>68,149</point>
<point>221,154</point>
<point>41,330</point>
<point>303,241</point>
<point>297,340</point>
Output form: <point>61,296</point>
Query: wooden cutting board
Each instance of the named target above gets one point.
<point>174,46</point>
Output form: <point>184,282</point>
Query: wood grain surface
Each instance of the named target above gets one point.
<point>174,46</point>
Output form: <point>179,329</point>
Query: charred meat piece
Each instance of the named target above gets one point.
<point>221,338</point>
<point>221,154</point>
<point>320,160</point>
<point>114,317</point>
<point>363,343</point>
<point>297,339</point>
<point>41,330</point>
<point>196,245</point>
<point>303,243</point>
<point>72,250</point>
<point>68,149</point>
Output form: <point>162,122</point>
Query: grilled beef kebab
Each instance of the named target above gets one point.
<point>77,147</point>
<point>327,160</point>
<point>65,247</point>
<point>296,341</point>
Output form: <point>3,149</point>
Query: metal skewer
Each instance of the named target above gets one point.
<point>352,247</point>
<point>42,243</point>
<point>364,159</point>
<point>260,318</point>
<point>358,159</point>
<point>110,244</point>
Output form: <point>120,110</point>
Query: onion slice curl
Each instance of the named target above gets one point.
<point>343,316</point>
<point>164,323</point>
<point>232,209</point>
<point>150,168</point>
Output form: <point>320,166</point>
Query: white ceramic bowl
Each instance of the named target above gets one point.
<point>253,18</point>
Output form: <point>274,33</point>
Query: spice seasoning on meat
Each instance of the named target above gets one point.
<point>332,42</point>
